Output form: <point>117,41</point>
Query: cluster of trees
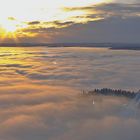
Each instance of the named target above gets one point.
<point>112,92</point>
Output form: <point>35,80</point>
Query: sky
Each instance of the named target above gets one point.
<point>66,21</point>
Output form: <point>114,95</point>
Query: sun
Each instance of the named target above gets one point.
<point>8,33</point>
<point>11,28</point>
<point>9,25</point>
<point>8,28</point>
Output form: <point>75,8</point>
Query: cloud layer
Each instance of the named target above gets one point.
<point>40,94</point>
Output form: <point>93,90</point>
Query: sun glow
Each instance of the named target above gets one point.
<point>4,34</point>
<point>14,21</point>
<point>8,28</point>
<point>42,10</point>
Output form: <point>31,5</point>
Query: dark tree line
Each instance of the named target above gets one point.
<point>111,92</point>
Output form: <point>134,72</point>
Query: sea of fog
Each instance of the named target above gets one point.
<point>40,93</point>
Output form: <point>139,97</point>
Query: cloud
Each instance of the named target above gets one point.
<point>88,23</point>
<point>34,23</point>
<point>110,10</point>
<point>54,115</point>
<point>40,99</point>
<point>113,29</point>
<point>99,20</point>
<point>11,18</point>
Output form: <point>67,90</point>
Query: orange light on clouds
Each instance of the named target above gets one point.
<point>20,13</point>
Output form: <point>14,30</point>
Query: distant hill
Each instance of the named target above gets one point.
<point>113,46</point>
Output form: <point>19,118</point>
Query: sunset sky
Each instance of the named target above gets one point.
<point>69,21</point>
